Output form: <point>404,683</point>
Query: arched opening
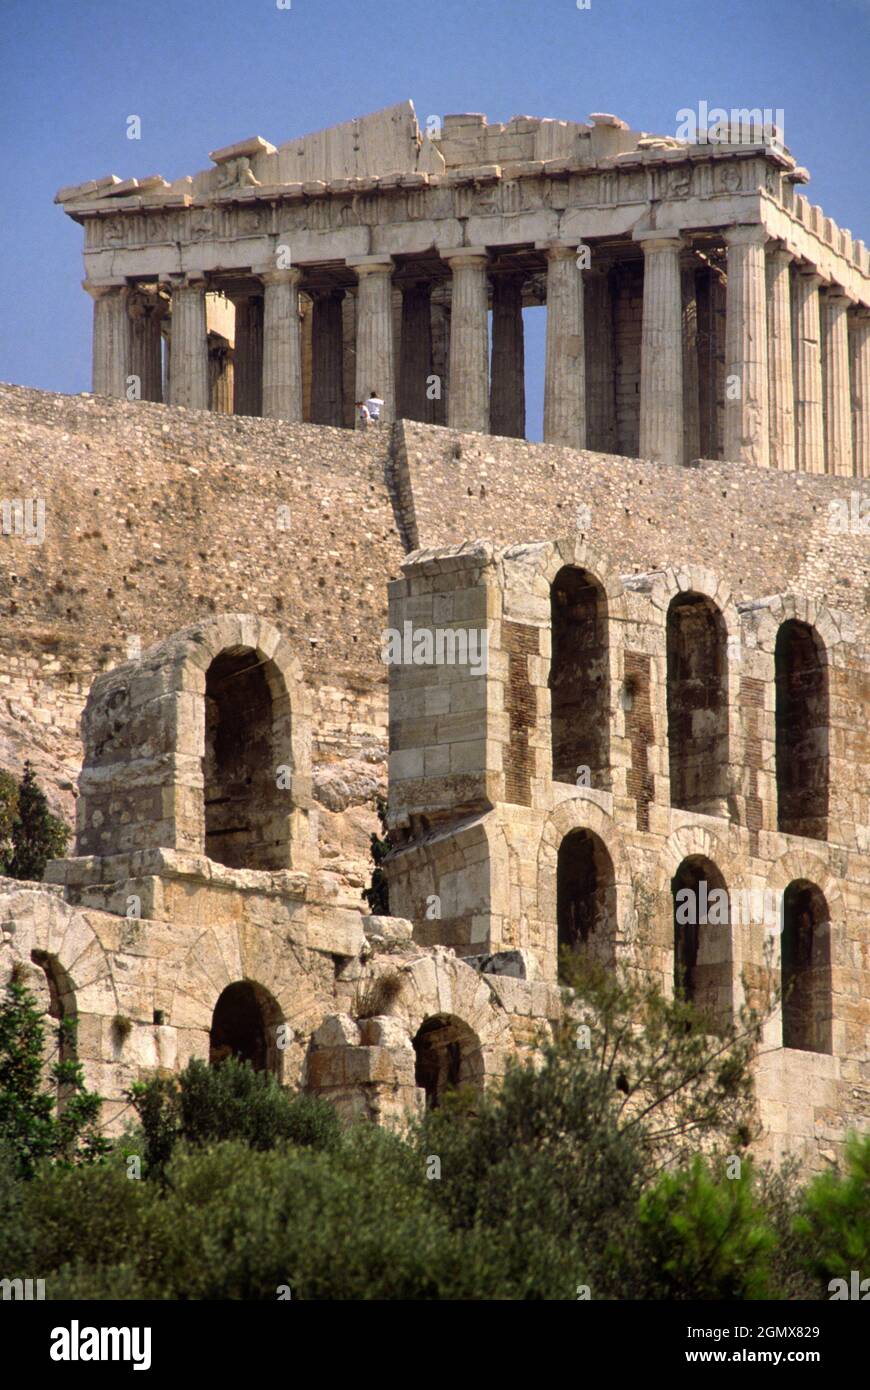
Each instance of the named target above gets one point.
<point>246,765</point>
<point>697,701</point>
<point>579,679</point>
<point>585,899</point>
<point>802,724</point>
<point>245,1025</point>
<point>702,939</point>
<point>55,995</point>
<point>448,1055</point>
<point>807,1004</point>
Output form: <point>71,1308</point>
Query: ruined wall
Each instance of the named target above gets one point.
<point>157,517</point>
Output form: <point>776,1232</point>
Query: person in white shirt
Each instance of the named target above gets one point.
<point>374,404</point>
<point>364,419</point>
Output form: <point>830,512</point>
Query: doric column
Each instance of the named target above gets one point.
<point>469,339</point>
<point>600,374</point>
<point>859,354</point>
<point>111,340</point>
<point>281,369</point>
<point>146,312</point>
<point>248,375</point>
<point>416,354</point>
<point>746,408</point>
<point>374,332</point>
<point>661,351</point>
<point>780,367</point>
<point>691,384</point>
<point>327,352</point>
<point>809,428</point>
<point>441,352</point>
<point>507,396</point>
<point>220,374</point>
<point>565,364</point>
<point>189,374</point>
<point>835,377</point>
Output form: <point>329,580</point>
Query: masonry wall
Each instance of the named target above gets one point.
<point>157,517</point>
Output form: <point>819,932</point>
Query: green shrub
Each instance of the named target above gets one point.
<point>704,1237</point>
<point>205,1105</point>
<point>832,1223</point>
<point>29,834</point>
<point>32,1125</point>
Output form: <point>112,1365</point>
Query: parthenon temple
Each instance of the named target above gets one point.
<point>698,306</point>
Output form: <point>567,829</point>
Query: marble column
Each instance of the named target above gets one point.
<point>780,362</point>
<point>415,399</point>
<point>249,352</point>
<point>146,312</point>
<point>691,377</point>
<point>111,338</point>
<point>565,363</point>
<point>661,351</point>
<point>281,375</point>
<point>374,332</point>
<point>835,378</point>
<point>809,425</point>
<point>859,355</point>
<point>468,407</point>
<point>441,352</point>
<point>601,430</point>
<point>746,386</point>
<point>220,374</point>
<point>507,397</point>
<point>189,375</point>
<point>327,352</point>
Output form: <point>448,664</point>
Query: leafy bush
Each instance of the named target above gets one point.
<point>833,1220</point>
<point>702,1236</point>
<point>205,1105</point>
<point>32,1124</point>
<point>29,834</point>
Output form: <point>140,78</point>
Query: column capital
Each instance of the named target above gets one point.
<point>660,241</point>
<point>371,265</point>
<point>559,250</point>
<point>270,276</point>
<point>186,280</point>
<point>747,234</point>
<point>466,255</point>
<point>810,274</point>
<point>98,288</point>
<point>779,252</point>
<point>838,293</point>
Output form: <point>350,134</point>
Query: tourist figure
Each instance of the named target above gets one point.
<point>364,418</point>
<point>374,405</point>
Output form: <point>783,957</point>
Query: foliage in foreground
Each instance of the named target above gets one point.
<point>29,834</point>
<point>551,1186</point>
<point>33,1125</point>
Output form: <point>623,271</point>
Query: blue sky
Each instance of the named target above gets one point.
<point>204,73</point>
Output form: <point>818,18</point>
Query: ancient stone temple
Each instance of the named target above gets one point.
<point>596,677</point>
<point>697,304</point>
